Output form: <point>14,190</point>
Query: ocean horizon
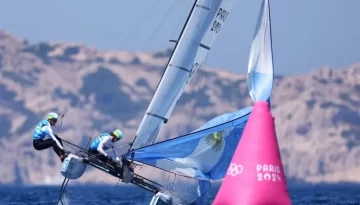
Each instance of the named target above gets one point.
<point>301,194</point>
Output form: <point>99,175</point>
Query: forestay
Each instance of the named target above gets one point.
<point>260,67</point>
<point>204,24</point>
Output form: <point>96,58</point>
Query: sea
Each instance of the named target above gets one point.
<point>129,195</point>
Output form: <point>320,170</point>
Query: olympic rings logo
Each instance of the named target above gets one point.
<point>235,169</point>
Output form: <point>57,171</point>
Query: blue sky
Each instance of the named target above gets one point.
<point>307,34</point>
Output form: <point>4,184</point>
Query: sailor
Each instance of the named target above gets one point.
<point>42,130</point>
<point>104,142</point>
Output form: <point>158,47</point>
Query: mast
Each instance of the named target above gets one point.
<point>201,29</point>
<point>167,65</point>
<point>176,41</point>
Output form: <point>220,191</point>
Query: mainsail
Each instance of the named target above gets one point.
<point>198,35</point>
<point>189,155</point>
<point>205,154</point>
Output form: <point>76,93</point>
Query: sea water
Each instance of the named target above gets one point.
<point>130,195</point>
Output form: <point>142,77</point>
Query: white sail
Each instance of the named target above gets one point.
<point>204,24</point>
<point>260,67</point>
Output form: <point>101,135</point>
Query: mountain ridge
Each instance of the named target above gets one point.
<point>317,114</point>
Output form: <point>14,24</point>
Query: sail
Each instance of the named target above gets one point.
<point>189,155</point>
<point>206,19</point>
<point>260,67</point>
<point>204,154</point>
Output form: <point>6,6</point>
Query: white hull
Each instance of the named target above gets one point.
<point>73,167</point>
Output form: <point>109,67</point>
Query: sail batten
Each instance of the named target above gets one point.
<point>200,31</point>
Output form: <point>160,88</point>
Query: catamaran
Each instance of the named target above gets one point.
<point>179,170</point>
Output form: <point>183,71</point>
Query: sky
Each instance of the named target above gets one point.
<point>307,34</point>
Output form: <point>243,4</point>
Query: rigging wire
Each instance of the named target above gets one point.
<point>132,32</point>
<point>142,50</point>
<point>109,107</point>
<point>180,19</point>
<point>146,44</point>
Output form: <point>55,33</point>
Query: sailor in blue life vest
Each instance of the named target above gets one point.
<point>104,142</point>
<point>42,130</point>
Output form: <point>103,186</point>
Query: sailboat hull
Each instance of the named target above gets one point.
<point>73,167</point>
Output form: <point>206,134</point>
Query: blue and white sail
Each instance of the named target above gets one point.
<point>260,67</point>
<point>205,154</point>
<point>206,19</point>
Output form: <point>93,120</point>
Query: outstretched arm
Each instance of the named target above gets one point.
<point>101,145</point>
<point>49,132</point>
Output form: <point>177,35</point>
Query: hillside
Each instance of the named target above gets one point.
<point>317,115</point>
